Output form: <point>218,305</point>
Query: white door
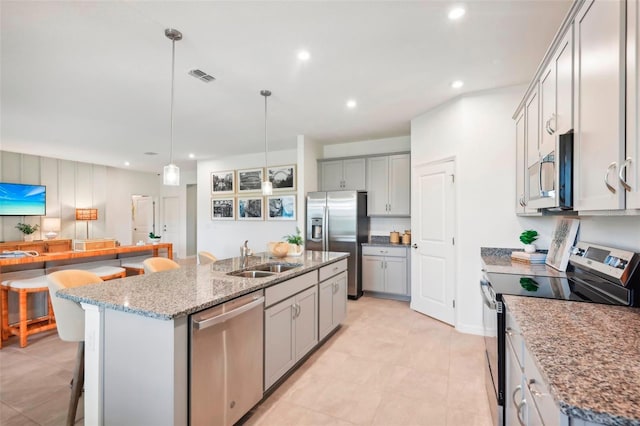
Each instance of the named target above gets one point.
<point>433,256</point>
<point>170,220</point>
<point>142,218</point>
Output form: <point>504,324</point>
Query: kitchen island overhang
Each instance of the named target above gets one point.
<point>136,333</point>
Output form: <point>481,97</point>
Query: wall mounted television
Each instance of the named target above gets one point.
<point>17,199</point>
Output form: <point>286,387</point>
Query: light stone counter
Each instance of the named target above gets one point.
<point>498,261</point>
<point>589,355</point>
<point>180,292</point>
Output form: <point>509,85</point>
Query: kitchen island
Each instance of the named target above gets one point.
<point>137,333</point>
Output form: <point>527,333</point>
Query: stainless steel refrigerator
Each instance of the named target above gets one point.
<point>338,221</point>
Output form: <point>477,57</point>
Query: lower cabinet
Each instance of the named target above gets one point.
<point>528,401</point>
<point>291,331</point>
<point>332,295</point>
<point>384,270</point>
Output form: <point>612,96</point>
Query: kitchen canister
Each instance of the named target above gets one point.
<point>406,237</point>
<point>394,237</point>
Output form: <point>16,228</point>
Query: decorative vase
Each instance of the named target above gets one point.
<point>154,240</point>
<point>295,250</point>
<point>529,248</point>
<point>28,237</point>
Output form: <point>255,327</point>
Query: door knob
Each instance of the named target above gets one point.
<point>415,246</point>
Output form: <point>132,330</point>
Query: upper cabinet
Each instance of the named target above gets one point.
<point>389,185</point>
<point>556,92</point>
<point>599,140</point>
<point>589,82</point>
<point>629,171</point>
<point>339,175</point>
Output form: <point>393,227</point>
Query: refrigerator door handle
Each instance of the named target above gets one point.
<point>325,229</point>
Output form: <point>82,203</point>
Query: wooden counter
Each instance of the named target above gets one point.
<point>84,256</point>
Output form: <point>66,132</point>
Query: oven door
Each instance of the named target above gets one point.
<point>491,332</point>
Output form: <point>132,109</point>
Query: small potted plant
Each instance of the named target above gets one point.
<point>527,238</point>
<point>27,230</point>
<point>153,238</point>
<point>295,243</point>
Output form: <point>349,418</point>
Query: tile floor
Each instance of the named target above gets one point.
<point>387,365</point>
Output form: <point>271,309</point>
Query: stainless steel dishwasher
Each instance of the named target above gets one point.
<point>225,360</point>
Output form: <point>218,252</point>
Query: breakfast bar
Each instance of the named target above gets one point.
<point>137,329</point>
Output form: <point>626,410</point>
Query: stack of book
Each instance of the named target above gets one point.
<point>531,258</point>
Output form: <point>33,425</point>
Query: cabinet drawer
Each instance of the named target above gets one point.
<point>333,269</point>
<point>384,251</point>
<point>281,291</point>
<point>514,337</point>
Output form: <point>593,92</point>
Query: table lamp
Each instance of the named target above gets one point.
<point>87,214</point>
<point>51,225</point>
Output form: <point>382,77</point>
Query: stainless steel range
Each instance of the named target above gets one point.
<point>597,274</point>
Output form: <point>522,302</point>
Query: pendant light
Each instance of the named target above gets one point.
<point>171,173</point>
<point>267,186</point>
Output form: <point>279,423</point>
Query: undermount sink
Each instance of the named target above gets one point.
<point>251,274</point>
<point>276,267</point>
<point>265,270</point>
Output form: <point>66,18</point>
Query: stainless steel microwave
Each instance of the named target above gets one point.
<point>550,179</point>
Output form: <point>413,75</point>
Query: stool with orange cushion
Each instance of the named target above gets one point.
<point>25,327</point>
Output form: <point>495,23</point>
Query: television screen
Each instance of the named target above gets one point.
<point>22,200</point>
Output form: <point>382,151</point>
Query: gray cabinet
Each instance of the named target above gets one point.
<point>332,295</point>
<point>389,185</point>
<point>384,270</point>
<point>338,175</point>
<point>527,398</point>
<point>599,140</point>
<point>290,325</point>
<point>629,172</point>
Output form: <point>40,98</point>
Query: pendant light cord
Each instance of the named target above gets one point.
<point>173,70</point>
<point>266,150</point>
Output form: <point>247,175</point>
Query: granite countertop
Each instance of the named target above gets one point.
<point>589,355</point>
<point>175,293</point>
<point>383,241</point>
<point>498,260</point>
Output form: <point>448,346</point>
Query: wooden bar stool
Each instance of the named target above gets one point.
<point>25,327</point>
<point>108,272</point>
<point>133,268</point>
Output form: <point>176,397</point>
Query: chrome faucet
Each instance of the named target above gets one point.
<point>245,252</point>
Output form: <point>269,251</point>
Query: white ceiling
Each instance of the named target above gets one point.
<point>90,81</point>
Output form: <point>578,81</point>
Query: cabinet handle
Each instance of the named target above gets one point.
<point>534,392</point>
<point>606,177</point>
<point>522,405</point>
<point>513,395</point>
<point>550,129</point>
<point>623,167</point>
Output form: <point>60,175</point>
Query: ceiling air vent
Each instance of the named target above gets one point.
<point>201,75</point>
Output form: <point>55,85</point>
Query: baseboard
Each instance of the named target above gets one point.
<point>470,329</point>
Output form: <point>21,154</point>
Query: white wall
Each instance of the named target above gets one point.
<point>478,131</point>
<point>223,238</point>
<point>72,185</point>
<point>368,147</point>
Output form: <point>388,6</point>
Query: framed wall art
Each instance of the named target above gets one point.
<point>283,178</point>
<point>222,209</point>
<point>250,208</point>
<point>562,240</point>
<point>281,207</point>
<point>250,180</point>
<point>223,182</point>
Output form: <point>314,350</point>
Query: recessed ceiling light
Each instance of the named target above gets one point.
<point>192,156</point>
<point>457,13</point>
<point>304,55</point>
<point>457,84</point>
<point>351,104</point>
<point>126,163</point>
